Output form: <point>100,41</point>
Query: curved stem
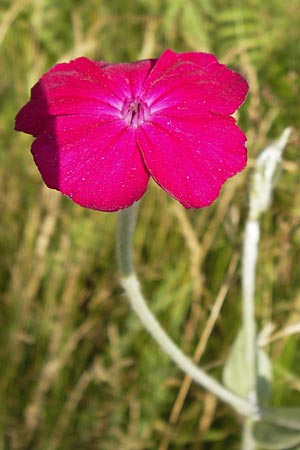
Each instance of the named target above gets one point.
<point>125,228</point>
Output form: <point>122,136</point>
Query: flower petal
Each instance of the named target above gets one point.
<point>94,161</point>
<point>193,83</point>
<point>192,158</point>
<point>81,87</point>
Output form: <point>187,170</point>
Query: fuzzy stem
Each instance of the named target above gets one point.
<point>248,442</point>
<point>125,228</point>
<point>251,239</point>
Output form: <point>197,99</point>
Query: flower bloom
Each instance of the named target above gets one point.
<point>101,130</point>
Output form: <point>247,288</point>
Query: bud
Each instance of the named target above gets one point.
<point>267,169</point>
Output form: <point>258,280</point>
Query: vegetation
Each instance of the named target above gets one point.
<point>77,369</point>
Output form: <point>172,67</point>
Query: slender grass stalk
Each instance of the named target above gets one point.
<point>125,228</point>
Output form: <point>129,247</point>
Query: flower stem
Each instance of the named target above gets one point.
<point>125,228</point>
<point>264,179</point>
<point>250,249</point>
<point>248,443</point>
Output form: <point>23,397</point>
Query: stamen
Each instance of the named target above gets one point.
<point>135,112</point>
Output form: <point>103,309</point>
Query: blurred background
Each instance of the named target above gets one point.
<point>77,369</point>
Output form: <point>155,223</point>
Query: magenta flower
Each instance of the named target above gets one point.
<point>103,129</point>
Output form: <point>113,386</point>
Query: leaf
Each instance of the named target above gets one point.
<point>235,373</point>
<point>274,437</point>
<point>241,27</point>
<point>285,417</point>
<point>243,15</point>
<point>193,27</point>
<point>265,376</point>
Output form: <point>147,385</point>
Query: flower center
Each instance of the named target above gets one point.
<point>135,112</point>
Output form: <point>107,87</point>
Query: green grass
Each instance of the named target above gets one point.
<point>77,370</point>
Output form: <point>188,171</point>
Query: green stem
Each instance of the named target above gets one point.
<point>125,228</point>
